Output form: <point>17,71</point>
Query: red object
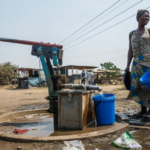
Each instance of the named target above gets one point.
<point>20,131</point>
<point>30,42</point>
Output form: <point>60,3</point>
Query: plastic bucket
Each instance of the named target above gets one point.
<point>145,80</point>
<point>104,108</point>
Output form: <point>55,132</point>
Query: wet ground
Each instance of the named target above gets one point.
<point>45,125</point>
<point>33,106</point>
<point>38,125</point>
<point>103,143</point>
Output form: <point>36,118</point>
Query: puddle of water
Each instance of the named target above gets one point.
<point>35,128</point>
<point>45,125</point>
<point>39,129</point>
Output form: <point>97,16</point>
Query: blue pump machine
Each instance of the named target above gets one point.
<point>45,54</point>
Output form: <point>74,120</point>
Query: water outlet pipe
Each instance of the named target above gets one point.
<point>82,87</point>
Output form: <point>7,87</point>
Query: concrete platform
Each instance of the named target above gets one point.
<point>101,131</point>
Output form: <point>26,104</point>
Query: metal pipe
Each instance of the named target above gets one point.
<point>92,87</point>
<point>30,42</point>
<point>82,87</point>
<point>74,86</point>
<point>46,71</point>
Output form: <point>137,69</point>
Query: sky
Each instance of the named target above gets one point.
<point>54,20</point>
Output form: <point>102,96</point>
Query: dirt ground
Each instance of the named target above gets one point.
<point>12,99</point>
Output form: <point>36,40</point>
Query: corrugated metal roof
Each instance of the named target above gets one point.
<point>77,67</point>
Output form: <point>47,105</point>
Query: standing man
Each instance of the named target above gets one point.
<point>93,78</point>
<point>90,77</point>
<point>83,76</point>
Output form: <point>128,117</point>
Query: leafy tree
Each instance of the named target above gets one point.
<point>8,71</point>
<point>110,66</point>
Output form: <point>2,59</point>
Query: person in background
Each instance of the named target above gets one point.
<point>99,77</point>
<point>83,77</point>
<point>90,76</point>
<point>139,50</point>
<point>93,78</point>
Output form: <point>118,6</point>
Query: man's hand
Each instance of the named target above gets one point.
<point>127,69</point>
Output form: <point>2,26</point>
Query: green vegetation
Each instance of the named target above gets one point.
<point>110,66</point>
<point>8,71</point>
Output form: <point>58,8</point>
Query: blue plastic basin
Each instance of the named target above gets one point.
<point>145,80</point>
<point>105,110</point>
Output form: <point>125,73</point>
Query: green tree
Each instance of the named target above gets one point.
<point>110,66</point>
<point>8,71</point>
